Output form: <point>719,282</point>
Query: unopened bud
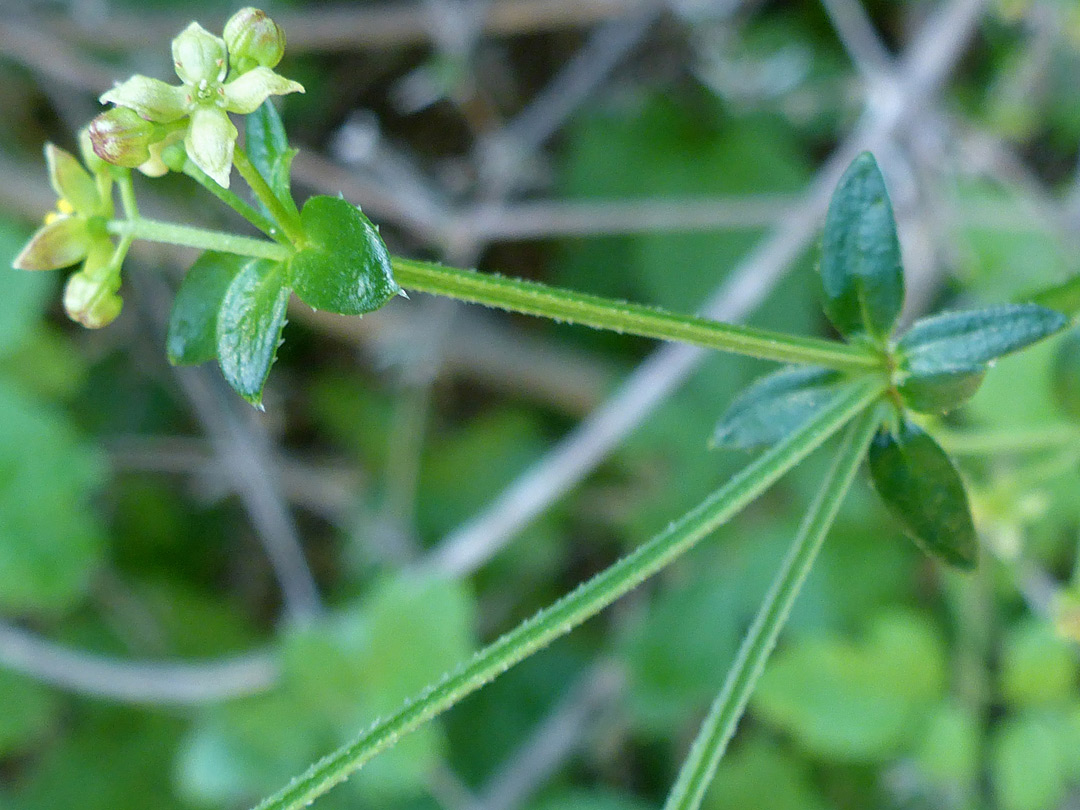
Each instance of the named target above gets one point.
<point>199,56</point>
<point>122,137</point>
<point>253,40</point>
<point>93,302</point>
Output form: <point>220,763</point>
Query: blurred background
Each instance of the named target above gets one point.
<point>197,599</point>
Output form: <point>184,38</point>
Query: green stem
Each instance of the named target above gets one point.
<point>288,220</point>
<point>170,233</point>
<point>565,305</point>
<point>582,603</point>
<point>719,726</point>
<point>234,201</point>
<point>1008,440</point>
<point>127,196</point>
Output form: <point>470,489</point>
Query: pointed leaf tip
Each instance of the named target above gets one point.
<point>775,405</point>
<point>924,492</point>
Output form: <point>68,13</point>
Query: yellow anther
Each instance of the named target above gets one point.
<point>64,207</point>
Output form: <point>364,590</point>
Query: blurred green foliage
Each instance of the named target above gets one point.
<point>896,685</point>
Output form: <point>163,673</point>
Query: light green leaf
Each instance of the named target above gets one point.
<point>1066,374</point>
<point>24,293</point>
<point>1038,667</point>
<point>50,541</point>
<point>856,701</point>
<point>860,255</point>
<point>1064,297</point>
<point>775,405</point>
<point>192,335</point>
<point>761,774</point>
<point>949,752</point>
<point>922,489</point>
<point>339,675</point>
<point>30,712</point>
<point>344,266</point>
<point>1027,763</point>
<point>249,326</point>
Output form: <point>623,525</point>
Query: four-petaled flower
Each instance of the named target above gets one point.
<point>205,99</point>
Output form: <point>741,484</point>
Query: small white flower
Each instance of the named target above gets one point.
<point>205,98</point>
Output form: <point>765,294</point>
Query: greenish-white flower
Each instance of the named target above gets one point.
<point>73,233</point>
<point>204,98</point>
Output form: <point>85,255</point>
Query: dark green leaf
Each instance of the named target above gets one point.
<point>945,356</point>
<point>860,254</point>
<point>962,340</point>
<point>268,149</point>
<point>249,326</point>
<point>923,491</point>
<point>345,267</point>
<point>1067,374</point>
<point>192,335</point>
<point>775,405</point>
<point>941,391</point>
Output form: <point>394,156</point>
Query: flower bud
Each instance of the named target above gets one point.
<point>122,137</point>
<point>199,56</point>
<point>253,40</point>
<point>93,302</point>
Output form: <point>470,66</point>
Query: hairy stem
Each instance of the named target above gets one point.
<point>719,726</point>
<point>234,201</point>
<point>173,234</point>
<point>579,605</point>
<point>565,305</point>
<point>288,220</point>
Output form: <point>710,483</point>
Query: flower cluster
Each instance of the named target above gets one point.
<point>218,75</point>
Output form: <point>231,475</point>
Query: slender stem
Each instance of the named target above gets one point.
<point>127,196</point>
<point>170,233</point>
<point>288,220</point>
<point>565,305</point>
<point>234,201</point>
<point>719,726</point>
<point>1007,440</point>
<point>582,603</point>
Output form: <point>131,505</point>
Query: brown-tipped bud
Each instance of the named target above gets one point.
<point>253,40</point>
<point>92,302</point>
<point>122,137</point>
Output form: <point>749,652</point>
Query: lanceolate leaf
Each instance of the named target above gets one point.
<point>268,149</point>
<point>344,267</point>
<point>774,406</point>
<point>249,326</point>
<point>958,340</point>
<point>945,357</point>
<point>860,255</point>
<point>923,491</point>
<point>192,335</point>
